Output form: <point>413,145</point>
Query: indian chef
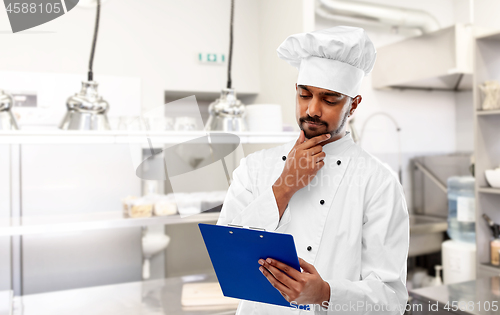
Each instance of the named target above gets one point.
<point>345,209</point>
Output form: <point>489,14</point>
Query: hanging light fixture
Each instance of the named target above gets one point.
<point>7,120</point>
<point>86,109</point>
<point>227,113</point>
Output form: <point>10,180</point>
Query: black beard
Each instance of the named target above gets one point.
<point>333,133</point>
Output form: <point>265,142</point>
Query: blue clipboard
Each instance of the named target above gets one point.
<point>235,252</point>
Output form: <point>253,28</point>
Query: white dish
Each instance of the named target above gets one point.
<point>493,177</point>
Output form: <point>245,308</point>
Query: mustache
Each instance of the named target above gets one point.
<point>312,120</point>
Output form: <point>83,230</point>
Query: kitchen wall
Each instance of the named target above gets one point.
<point>464,119</point>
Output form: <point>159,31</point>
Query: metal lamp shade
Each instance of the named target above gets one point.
<point>7,120</point>
<point>227,113</point>
<point>86,110</point>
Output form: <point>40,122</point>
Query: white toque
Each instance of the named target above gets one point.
<point>335,59</point>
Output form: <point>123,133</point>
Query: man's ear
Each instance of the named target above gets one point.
<point>354,104</point>
<point>296,87</point>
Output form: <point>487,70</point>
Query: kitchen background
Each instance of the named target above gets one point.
<point>148,54</point>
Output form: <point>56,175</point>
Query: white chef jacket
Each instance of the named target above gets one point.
<point>351,222</point>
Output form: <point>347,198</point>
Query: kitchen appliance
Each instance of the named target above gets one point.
<point>410,64</point>
<point>7,120</point>
<point>152,244</point>
<point>87,110</point>
<point>459,261</point>
<point>461,209</point>
<point>227,113</point>
<point>429,208</point>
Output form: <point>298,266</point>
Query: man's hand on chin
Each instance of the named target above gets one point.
<point>306,287</point>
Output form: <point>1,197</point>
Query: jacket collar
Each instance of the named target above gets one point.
<point>338,146</point>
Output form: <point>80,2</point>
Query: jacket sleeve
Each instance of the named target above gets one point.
<point>381,288</point>
<point>248,206</point>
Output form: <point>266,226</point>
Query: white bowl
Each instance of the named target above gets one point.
<point>493,177</point>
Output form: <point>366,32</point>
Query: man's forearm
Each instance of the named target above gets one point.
<point>283,194</point>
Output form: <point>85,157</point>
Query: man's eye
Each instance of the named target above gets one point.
<point>304,96</point>
<point>330,103</point>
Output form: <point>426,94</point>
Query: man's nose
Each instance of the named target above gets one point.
<point>314,107</point>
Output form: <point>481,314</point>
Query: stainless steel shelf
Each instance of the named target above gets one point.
<point>489,190</point>
<point>490,268</point>
<point>125,137</point>
<point>91,221</point>
<point>488,112</point>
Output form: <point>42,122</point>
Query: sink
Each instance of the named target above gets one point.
<point>426,234</point>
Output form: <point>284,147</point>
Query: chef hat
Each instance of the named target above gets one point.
<point>335,59</point>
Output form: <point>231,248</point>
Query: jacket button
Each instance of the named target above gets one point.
<point>309,248</point>
<point>283,158</point>
<point>321,201</point>
<point>338,162</point>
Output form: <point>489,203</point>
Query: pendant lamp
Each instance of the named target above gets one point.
<point>87,110</point>
<point>227,113</point>
<point>7,120</point>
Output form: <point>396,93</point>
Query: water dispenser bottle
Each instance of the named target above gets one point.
<point>461,209</point>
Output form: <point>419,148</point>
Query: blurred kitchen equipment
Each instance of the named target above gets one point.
<point>493,177</point>
<point>159,123</point>
<point>447,66</point>
<point>494,227</point>
<point>490,91</point>
<point>418,277</point>
<point>374,14</point>
<point>264,118</point>
<point>429,208</point>
<point>152,244</point>
<point>131,123</point>
<point>459,261</point>
<point>461,209</point>
<point>426,234</point>
<point>437,280</point>
<point>430,172</point>
<point>227,113</point>
<point>185,123</point>
<point>429,281</point>
<point>87,110</point>
<point>495,240</point>
<point>7,120</point>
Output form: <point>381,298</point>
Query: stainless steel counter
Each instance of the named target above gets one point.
<point>152,297</point>
<point>476,297</point>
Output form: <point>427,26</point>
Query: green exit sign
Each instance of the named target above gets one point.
<point>211,58</point>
